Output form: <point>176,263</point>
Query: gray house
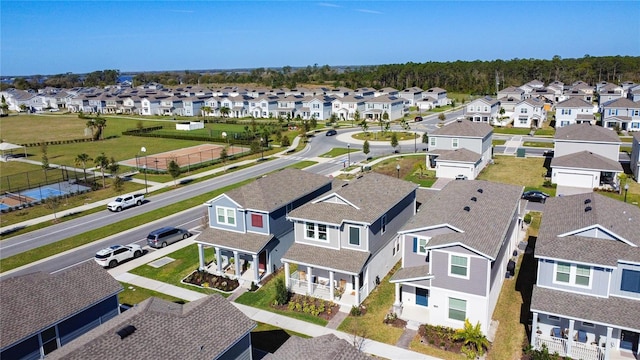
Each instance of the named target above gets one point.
<point>635,156</point>
<point>455,254</point>
<point>208,328</point>
<point>43,312</point>
<point>621,113</point>
<point>248,226</point>
<point>460,148</point>
<point>586,301</point>
<point>346,240</point>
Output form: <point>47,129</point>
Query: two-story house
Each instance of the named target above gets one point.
<point>635,156</point>
<point>432,98</point>
<point>317,107</point>
<point>411,95</point>
<point>207,328</point>
<point>573,111</point>
<point>264,106</point>
<point>42,312</point>
<point>248,227</point>
<point>456,252</point>
<point>586,301</point>
<point>346,240</point>
<point>529,113</point>
<point>609,92</point>
<point>622,114</point>
<point>462,147</point>
<point>585,157</point>
<point>345,107</point>
<point>483,109</point>
<point>511,92</point>
<point>377,107</point>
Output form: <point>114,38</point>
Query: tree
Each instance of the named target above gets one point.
<point>365,147</point>
<point>4,107</point>
<point>224,156</point>
<point>103,162</point>
<point>254,146</point>
<point>313,122</point>
<point>356,117</point>
<point>45,158</point>
<point>53,203</point>
<point>473,338</point>
<point>100,124</point>
<point>205,110</point>
<point>364,126</point>
<point>425,138</point>
<point>385,116</point>
<point>118,184</point>
<point>441,117</point>
<point>224,111</point>
<point>282,294</point>
<point>174,170</point>
<point>113,167</point>
<point>381,122</point>
<point>82,160</point>
<point>394,140</point>
<point>286,142</point>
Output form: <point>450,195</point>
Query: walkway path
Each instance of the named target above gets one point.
<point>512,145</point>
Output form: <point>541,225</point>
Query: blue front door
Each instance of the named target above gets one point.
<point>629,340</point>
<point>422,297</point>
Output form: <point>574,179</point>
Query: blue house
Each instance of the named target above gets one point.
<point>43,312</point>
<point>248,225</point>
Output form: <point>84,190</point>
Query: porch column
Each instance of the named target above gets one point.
<point>357,290</point>
<point>218,260</point>
<point>309,284</point>
<point>286,275</point>
<point>256,274</point>
<point>201,256</point>
<point>331,287</point>
<point>570,337</point>
<point>607,347</point>
<point>236,261</point>
<point>534,330</point>
<point>397,302</point>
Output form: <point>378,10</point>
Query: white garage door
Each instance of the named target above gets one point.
<point>451,171</point>
<point>575,180</point>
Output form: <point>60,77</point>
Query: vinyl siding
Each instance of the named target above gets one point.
<point>599,280</point>
<point>609,151</point>
<point>616,281</point>
<point>476,268</point>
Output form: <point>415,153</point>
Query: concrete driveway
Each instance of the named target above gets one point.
<point>569,190</point>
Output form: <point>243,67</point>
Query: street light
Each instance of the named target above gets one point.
<point>398,169</point>
<point>626,189</point>
<point>262,148</point>
<point>146,187</point>
<point>348,155</point>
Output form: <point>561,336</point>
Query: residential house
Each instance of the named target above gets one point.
<point>248,227</point>
<point>634,93</point>
<point>317,106</point>
<point>529,113</point>
<point>621,114</point>
<point>557,87</point>
<point>461,148</point>
<point>635,156</point>
<point>626,87</point>
<point>531,86</point>
<point>483,109</point>
<point>42,312</point>
<point>324,347</point>
<point>609,93</point>
<point>364,92</point>
<point>435,97</point>
<point>345,107</point>
<point>208,328</point>
<point>238,107</point>
<point>574,111</point>
<point>346,240</point>
<point>289,106</point>
<point>376,108</point>
<point>411,95</point>
<point>389,91</point>
<point>456,252</point>
<point>150,105</point>
<point>191,106</point>
<point>339,92</point>
<point>586,301</point>
<point>586,156</point>
<point>580,90</point>
<point>511,92</point>
<point>264,107</point>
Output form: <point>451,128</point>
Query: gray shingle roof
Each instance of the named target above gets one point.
<point>202,329</point>
<point>32,302</point>
<point>484,226</point>
<point>344,260</point>
<point>566,214</point>
<point>586,160</point>
<point>586,132</point>
<point>459,155</point>
<point>374,194</point>
<point>275,190</point>
<point>247,242</point>
<point>410,273</point>
<point>574,102</point>
<point>325,347</point>
<point>622,103</point>
<point>615,311</point>
<point>464,128</point>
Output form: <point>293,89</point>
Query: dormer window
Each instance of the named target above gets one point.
<point>226,216</point>
<point>316,231</point>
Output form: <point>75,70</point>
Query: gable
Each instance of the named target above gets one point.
<point>597,232</point>
<point>334,199</point>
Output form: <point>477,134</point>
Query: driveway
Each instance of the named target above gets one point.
<point>569,190</point>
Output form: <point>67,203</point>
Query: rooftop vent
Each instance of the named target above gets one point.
<point>474,199</point>
<point>480,191</point>
<point>587,201</point>
<point>587,209</point>
<point>126,331</point>
<point>345,184</point>
<point>466,208</point>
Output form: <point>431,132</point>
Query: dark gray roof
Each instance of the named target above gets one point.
<point>458,155</point>
<point>423,195</point>
<point>325,347</point>
<point>277,189</point>
<point>567,214</point>
<point>586,132</point>
<point>32,302</point>
<point>350,261</point>
<point>374,194</point>
<point>248,242</point>
<point>202,329</point>
<point>574,102</point>
<point>486,223</point>
<point>621,103</point>
<point>410,273</point>
<point>464,128</point>
<point>619,312</point>
<point>586,160</point>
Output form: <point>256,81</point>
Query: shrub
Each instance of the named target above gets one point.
<point>527,219</point>
<point>282,294</point>
<point>355,311</point>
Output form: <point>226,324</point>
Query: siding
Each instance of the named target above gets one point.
<point>477,269</point>
<point>616,281</point>
<point>249,220</point>
<point>239,351</point>
<point>599,281</point>
<point>213,218</point>
<point>609,151</point>
<point>411,258</point>
<point>397,216</point>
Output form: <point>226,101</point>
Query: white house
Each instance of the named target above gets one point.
<point>575,110</point>
<point>529,113</point>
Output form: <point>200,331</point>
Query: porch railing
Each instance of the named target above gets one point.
<point>578,350</point>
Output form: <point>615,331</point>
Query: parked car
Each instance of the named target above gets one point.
<point>331,132</point>
<point>417,118</point>
<point>535,195</point>
<point>461,177</point>
<point>113,255</point>
<point>166,236</point>
<point>125,201</point>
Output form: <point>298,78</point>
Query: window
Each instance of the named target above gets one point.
<point>256,220</point>
<point>226,216</point>
<point>354,235</point>
<point>316,231</point>
<point>322,232</point>
<point>311,231</point>
<point>563,272</point>
<point>457,309</point>
<point>458,266</point>
<point>49,340</point>
<point>553,317</point>
<point>420,245</point>
<point>523,121</point>
<point>432,141</point>
<point>523,110</point>
<point>630,281</point>
<point>577,275</point>
<point>384,223</point>
<point>454,143</point>
<point>583,274</point>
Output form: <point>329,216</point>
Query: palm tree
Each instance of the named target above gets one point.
<point>103,162</point>
<point>356,117</point>
<point>225,111</point>
<point>91,125</point>
<point>205,110</point>
<point>472,337</point>
<point>364,126</point>
<point>82,160</point>
<point>101,123</point>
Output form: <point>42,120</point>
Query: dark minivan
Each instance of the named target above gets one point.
<point>166,236</point>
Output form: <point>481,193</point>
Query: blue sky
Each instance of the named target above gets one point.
<point>53,37</point>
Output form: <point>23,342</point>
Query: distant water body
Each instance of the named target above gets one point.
<point>122,78</point>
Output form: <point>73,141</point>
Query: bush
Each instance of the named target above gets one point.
<point>527,219</point>
<point>355,311</point>
<point>282,294</point>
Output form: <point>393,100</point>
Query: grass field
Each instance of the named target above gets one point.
<point>527,172</point>
<point>133,295</point>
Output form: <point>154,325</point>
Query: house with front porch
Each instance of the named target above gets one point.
<point>586,156</point>
<point>411,95</point>
<point>456,252</point>
<point>376,108</point>
<point>462,147</point>
<point>345,107</point>
<point>435,96</point>
<point>635,156</point>
<point>483,109</point>
<point>586,300</point>
<point>150,106</point>
<point>346,240</point>
<point>573,111</point>
<point>265,106</point>
<point>511,92</point>
<point>248,227</point>
<point>622,114</point>
<point>529,113</point>
<point>289,106</point>
<point>317,106</point>
<point>610,92</point>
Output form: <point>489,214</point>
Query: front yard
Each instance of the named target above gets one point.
<point>527,172</point>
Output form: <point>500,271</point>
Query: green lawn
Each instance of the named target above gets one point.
<point>302,164</point>
<point>527,172</point>
<point>338,152</point>
<point>511,131</point>
<point>498,142</point>
<point>134,295</point>
<point>539,144</point>
<point>378,135</point>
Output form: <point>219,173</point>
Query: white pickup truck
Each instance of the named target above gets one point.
<point>125,201</point>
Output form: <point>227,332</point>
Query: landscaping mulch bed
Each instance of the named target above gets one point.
<point>208,280</point>
<point>440,337</point>
<point>306,304</point>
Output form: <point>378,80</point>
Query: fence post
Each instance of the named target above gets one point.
<point>28,183</point>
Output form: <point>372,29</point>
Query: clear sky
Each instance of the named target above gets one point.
<point>54,37</point>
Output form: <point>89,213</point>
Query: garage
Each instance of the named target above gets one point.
<point>575,180</point>
<point>450,171</point>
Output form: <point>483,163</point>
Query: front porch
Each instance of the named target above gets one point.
<point>246,268</point>
<point>325,285</point>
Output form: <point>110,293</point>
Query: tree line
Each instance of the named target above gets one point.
<point>472,77</point>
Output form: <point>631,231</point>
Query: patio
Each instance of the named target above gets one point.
<point>342,294</point>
